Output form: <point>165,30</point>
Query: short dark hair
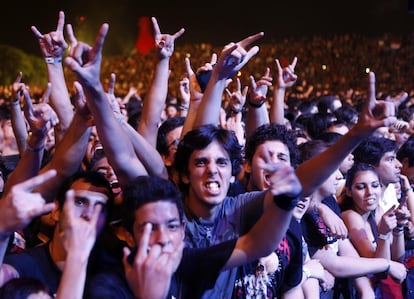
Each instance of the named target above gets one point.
<point>22,287</point>
<point>148,189</point>
<point>272,132</point>
<point>311,149</point>
<point>202,137</point>
<point>372,149</point>
<point>407,151</point>
<point>94,178</point>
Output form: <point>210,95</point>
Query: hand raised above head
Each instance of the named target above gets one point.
<point>374,113</point>
<point>52,44</point>
<point>20,205</point>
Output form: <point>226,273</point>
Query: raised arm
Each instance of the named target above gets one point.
<point>155,98</point>
<point>85,62</point>
<point>286,78</point>
<point>374,114</point>
<point>78,239</point>
<point>269,230</point>
<point>16,115</point>
<point>41,118</point>
<point>146,153</point>
<point>257,113</point>
<point>17,209</point>
<point>53,46</point>
<point>232,58</point>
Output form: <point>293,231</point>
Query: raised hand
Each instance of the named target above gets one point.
<point>84,60</point>
<point>374,113</point>
<point>149,274</point>
<point>286,77</point>
<point>78,234</point>
<point>165,42</point>
<point>53,44</point>
<point>41,117</point>
<point>235,55</point>
<point>237,98</point>
<point>258,89</point>
<point>21,205</point>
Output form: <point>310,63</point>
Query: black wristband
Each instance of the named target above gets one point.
<point>285,202</point>
<point>256,105</point>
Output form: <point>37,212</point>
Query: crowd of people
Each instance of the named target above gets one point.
<point>233,173</point>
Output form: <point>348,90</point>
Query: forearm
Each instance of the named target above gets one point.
<point>19,126</point>
<point>59,99</point>
<point>73,278</point>
<point>277,110</point>
<point>255,118</point>
<point>154,102</point>
<point>147,154</point>
<point>330,159</point>
<point>68,155</point>
<point>118,148</point>
<point>209,110</point>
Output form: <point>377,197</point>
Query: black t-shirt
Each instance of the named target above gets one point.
<point>252,282</point>
<point>315,231</point>
<point>36,263</point>
<point>197,272</point>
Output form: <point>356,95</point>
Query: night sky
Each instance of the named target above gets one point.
<point>216,22</point>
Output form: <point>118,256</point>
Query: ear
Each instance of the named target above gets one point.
<point>166,161</point>
<point>404,163</point>
<point>247,166</point>
<point>55,214</point>
<point>185,179</point>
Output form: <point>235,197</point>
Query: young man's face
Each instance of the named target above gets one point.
<point>87,197</point>
<point>210,174</point>
<point>167,228</point>
<point>389,168</point>
<point>275,150</point>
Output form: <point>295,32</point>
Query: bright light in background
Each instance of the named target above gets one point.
<point>324,67</point>
<point>367,70</point>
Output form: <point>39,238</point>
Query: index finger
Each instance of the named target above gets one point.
<point>71,35</point>
<point>371,97</point>
<point>213,59</point>
<point>178,33</point>
<point>293,64</point>
<point>157,30</point>
<point>18,78</point>
<point>190,71</point>
<point>46,94</point>
<point>61,22</point>
<point>99,41</point>
<point>250,39</point>
<point>28,105</point>
<point>36,181</point>
<point>36,32</point>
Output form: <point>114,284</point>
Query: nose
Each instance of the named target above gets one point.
<point>161,237</point>
<point>398,164</point>
<point>212,168</point>
<point>87,212</point>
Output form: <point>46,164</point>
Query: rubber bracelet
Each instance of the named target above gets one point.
<point>384,237</point>
<point>53,60</point>
<point>285,202</point>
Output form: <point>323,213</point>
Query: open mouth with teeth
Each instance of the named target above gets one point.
<point>213,186</point>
